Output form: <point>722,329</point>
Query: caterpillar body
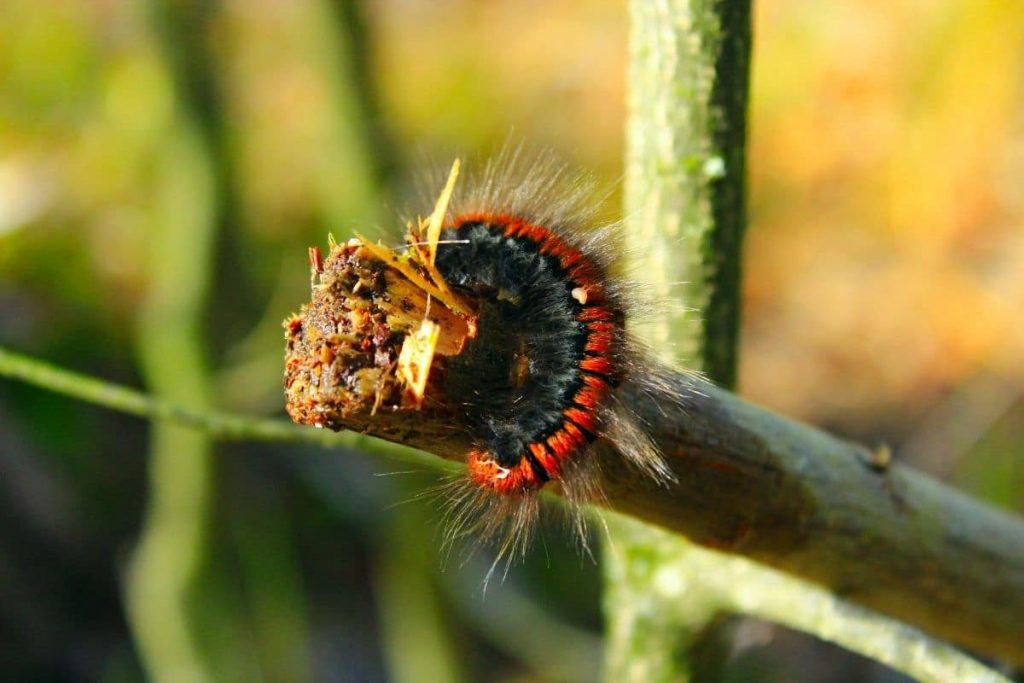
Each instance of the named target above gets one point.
<point>519,336</point>
<point>547,354</point>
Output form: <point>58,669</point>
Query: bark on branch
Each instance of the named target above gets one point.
<point>790,496</point>
<point>748,481</point>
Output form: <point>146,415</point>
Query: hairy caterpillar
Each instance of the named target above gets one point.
<point>503,318</point>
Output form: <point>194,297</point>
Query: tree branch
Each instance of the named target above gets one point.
<point>750,483</point>
<point>790,496</point>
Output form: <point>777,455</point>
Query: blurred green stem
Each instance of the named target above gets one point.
<point>172,544</point>
<point>417,640</point>
<point>270,572</point>
<point>414,626</point>
<point>686,136</point>
<point>169,591</point>
<point>356,155</point>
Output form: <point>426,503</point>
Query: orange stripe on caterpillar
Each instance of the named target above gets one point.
<point>546,459</point>
<point>595,314</point>
<point>584,418</point>
<point>485,471</point>
<point>599,343</point>
<point>598,364</point>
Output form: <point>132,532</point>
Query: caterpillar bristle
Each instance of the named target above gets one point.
<point>474,518</point>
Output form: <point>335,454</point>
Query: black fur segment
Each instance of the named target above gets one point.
<point>522,371</point>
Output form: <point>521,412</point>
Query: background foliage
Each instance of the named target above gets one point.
<point>163,167</point>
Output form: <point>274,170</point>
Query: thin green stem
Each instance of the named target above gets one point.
<point>165,581</point>
<point>218,426</point>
